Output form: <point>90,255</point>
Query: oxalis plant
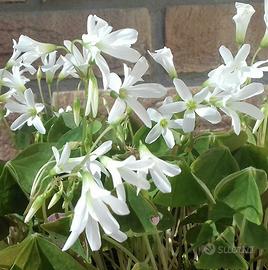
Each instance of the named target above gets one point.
<point>137,189</point>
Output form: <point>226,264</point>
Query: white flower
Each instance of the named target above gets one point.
<point>264,42</point>
<point>191,105</point>
<point>28,109</point>
<point>236,103</point>
<point>242,19</point>
<point>91,211</point>
<point>50,65</point>
<point>65,164</point>
<point>26,44</point>
<point>235,70</point>
<point>80,61</point>
<point>15,80</point>
<point>100,38</point>
<point>165,58</point>
<point>61,110</point>
<point>127,93</point>
<point>159,170</point>
<point>126,170</point>
<point>163,127</point>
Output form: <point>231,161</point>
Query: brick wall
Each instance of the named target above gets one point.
<point>193,29</point>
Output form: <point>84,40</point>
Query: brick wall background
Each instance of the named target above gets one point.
<point>193,29</point>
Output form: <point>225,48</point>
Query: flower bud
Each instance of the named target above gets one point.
<point>39,74</point>
<point>56,197</point>
<point>37,204</point>
<point>92,97</point>
<point>76,111</point>
<point>164,57</point>
<point>242,19</point>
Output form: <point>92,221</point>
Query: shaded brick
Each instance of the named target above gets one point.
<point>195,32</point>
<point>12,1</point>
<point>56,26</point>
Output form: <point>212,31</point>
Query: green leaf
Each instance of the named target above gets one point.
<point>231,140</point>
<point>57,130</point>
<point>241,192</point>
<point>73,135</point>
<point>185,190</point>
<point>12,199</point>
<point>252,155</point>
<point>142,207</point>
<point>255,235</point>
<point>95,126</point>
<point>68,119</point>
<point>26,165</point>
<point>35,252</point>
<point>219,255</point>
<point>212,166</point>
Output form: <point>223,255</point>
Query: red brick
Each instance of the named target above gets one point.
<point>56,26</point>
<point>195,32</point>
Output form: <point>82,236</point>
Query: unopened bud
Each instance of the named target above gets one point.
<point>76,111</point>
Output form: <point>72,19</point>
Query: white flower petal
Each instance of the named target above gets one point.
<point>147,90</point>
<point>115,82</point>
<point>242,53</point>
<point>122,52</point>
<point>132,178</point>
<point>226,55</point>
<point>210,114</point>
<point>249,91</point>
<point>248,109</point>
<point>154,115</point>
<point>104,68</point>
<point>182,89</point>
<point>154,134</point>
<point>29,97</point>
<point>168,137</point>
<point>174,107</point>
<point>117,110</point>
<point>139,110</point>
<point>160,180</point>
<point>201,95</point>
<point>118,236</point>
<point>188,122</point>
<point>118,206</point>
<point>36,121</point>
<point>19,122</point>
<point>93,234</point>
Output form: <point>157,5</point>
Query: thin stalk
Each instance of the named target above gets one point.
<point>121,260</point>
<point>129,264</point>
<point>255,55</point>
<point>150,252</point>
<point>160,250</point>
<point>122,248</point>
<point>99,260</point>
<point>41,91</point>
<point>44,212</point>
<point>49,92</point>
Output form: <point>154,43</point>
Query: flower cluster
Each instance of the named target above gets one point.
<point>226,91</point>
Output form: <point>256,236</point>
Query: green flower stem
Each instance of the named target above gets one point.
<point>151,255</point>
<point>41,91</point>
<point>255,55</point>
<point>99,260</point>
<point>44,211</point>
<point>122,248</point>
<point>49,92</point>
<point>160,250</point>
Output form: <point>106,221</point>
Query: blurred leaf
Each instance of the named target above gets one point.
<point>252,155</point>
<point>73,135</point>
<point>231,140</point>
<point>57,130</point>
<point>241,192</point>
<point>255,235</point>
<point>142,207</point>
<point>12,199</point>
<point>213,165</point>
<point>35,252</point>
<point>26,165</point>
<point>185,190</point>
